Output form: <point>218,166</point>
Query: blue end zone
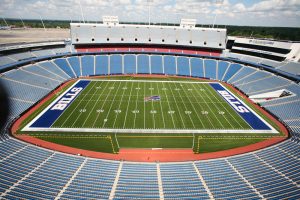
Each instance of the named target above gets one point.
<point>255,122</point>
<point>61,104</point>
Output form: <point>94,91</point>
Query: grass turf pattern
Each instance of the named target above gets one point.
<point>122,105</point>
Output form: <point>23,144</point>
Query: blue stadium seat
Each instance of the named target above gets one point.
<point>222,68</point>
<point>36,69</point>
<point>62,63</point>
<point>245,71</point>
<point>197,67</point>
<point>50,66</point>
<point>210,67</point>
<point>233,68</point>
<point>156,64</point>
<point>88,65</point>
<point>130,64</point>
<point>169,65</point>
<point>183,66</point>
<point>102,65</point>
<point>116,64</point>
<point>75,64</point>
<point>143,64</point>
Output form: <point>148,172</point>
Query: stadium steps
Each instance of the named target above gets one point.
<point>114,187</point>
<point>160,188</point>
<point>276,170</point>
<point>27,175</point>
<point>71,179</point>
<point>203,182</point>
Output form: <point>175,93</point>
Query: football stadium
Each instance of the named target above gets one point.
<point>115,109</point>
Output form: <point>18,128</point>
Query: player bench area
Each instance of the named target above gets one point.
<point>148,106</point>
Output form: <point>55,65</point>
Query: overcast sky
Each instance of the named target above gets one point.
<point>230,12</point>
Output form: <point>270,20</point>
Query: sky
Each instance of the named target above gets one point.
<point>285,13</point>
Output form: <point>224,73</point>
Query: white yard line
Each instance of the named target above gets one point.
<point>170,88</point>
<point>229,112</point>
<point>152,81</point>
<point>136,102</point>
<point>152,106</point>
<point>127,105</point>
<point>103,103</point>
<point>117,114</point>
<point>169,106</point>
<point>111,105</point>
<point>28,128</point>
<point>199,119</point>
<point>96,103</point>
<point>162,113</point>
<point>107,130</point>
<point>208,105</point>
<point>184,105</point>
<point>199,103</point>
<point>250,109</point>
<point>72,110</point>
<point>85,105</point>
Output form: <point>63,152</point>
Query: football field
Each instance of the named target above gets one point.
<point>132,105</point>
<point>146,106</point>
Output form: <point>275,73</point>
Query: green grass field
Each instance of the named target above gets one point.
<point>121,105</point>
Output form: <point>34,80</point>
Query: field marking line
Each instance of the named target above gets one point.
<point>162,113</point>
<point>148,81</point>
<point>136,103</point>
<point>69,106</point>
<point>152,136</point>
<point>61,94</point>
<point>192,106</point>
<point>205,103</point>
<point>178,110</point>
<point>98,114</point>
<point>169,105</point>
<point>208,105</point>
<point>250,109</point>
<point>111,105</point>
<point>117,114</point>
<point>207,90</point>
<point>183,104</point>
<point>72,137</point>
<point>96,103</point>
<point>109,130</point>
<point>85,105</point>
<point>112,145</point>
<point>199,103</point>
<point>160,100</point>
<point>152,106</point>
<point>233,109</point>
<point>80,100</point>
<point>229,112</point>
<point>127,105</point>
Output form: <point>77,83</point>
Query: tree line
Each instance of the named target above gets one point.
<point>277,33</point>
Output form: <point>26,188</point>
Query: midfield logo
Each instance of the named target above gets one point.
<point>152,98</point>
